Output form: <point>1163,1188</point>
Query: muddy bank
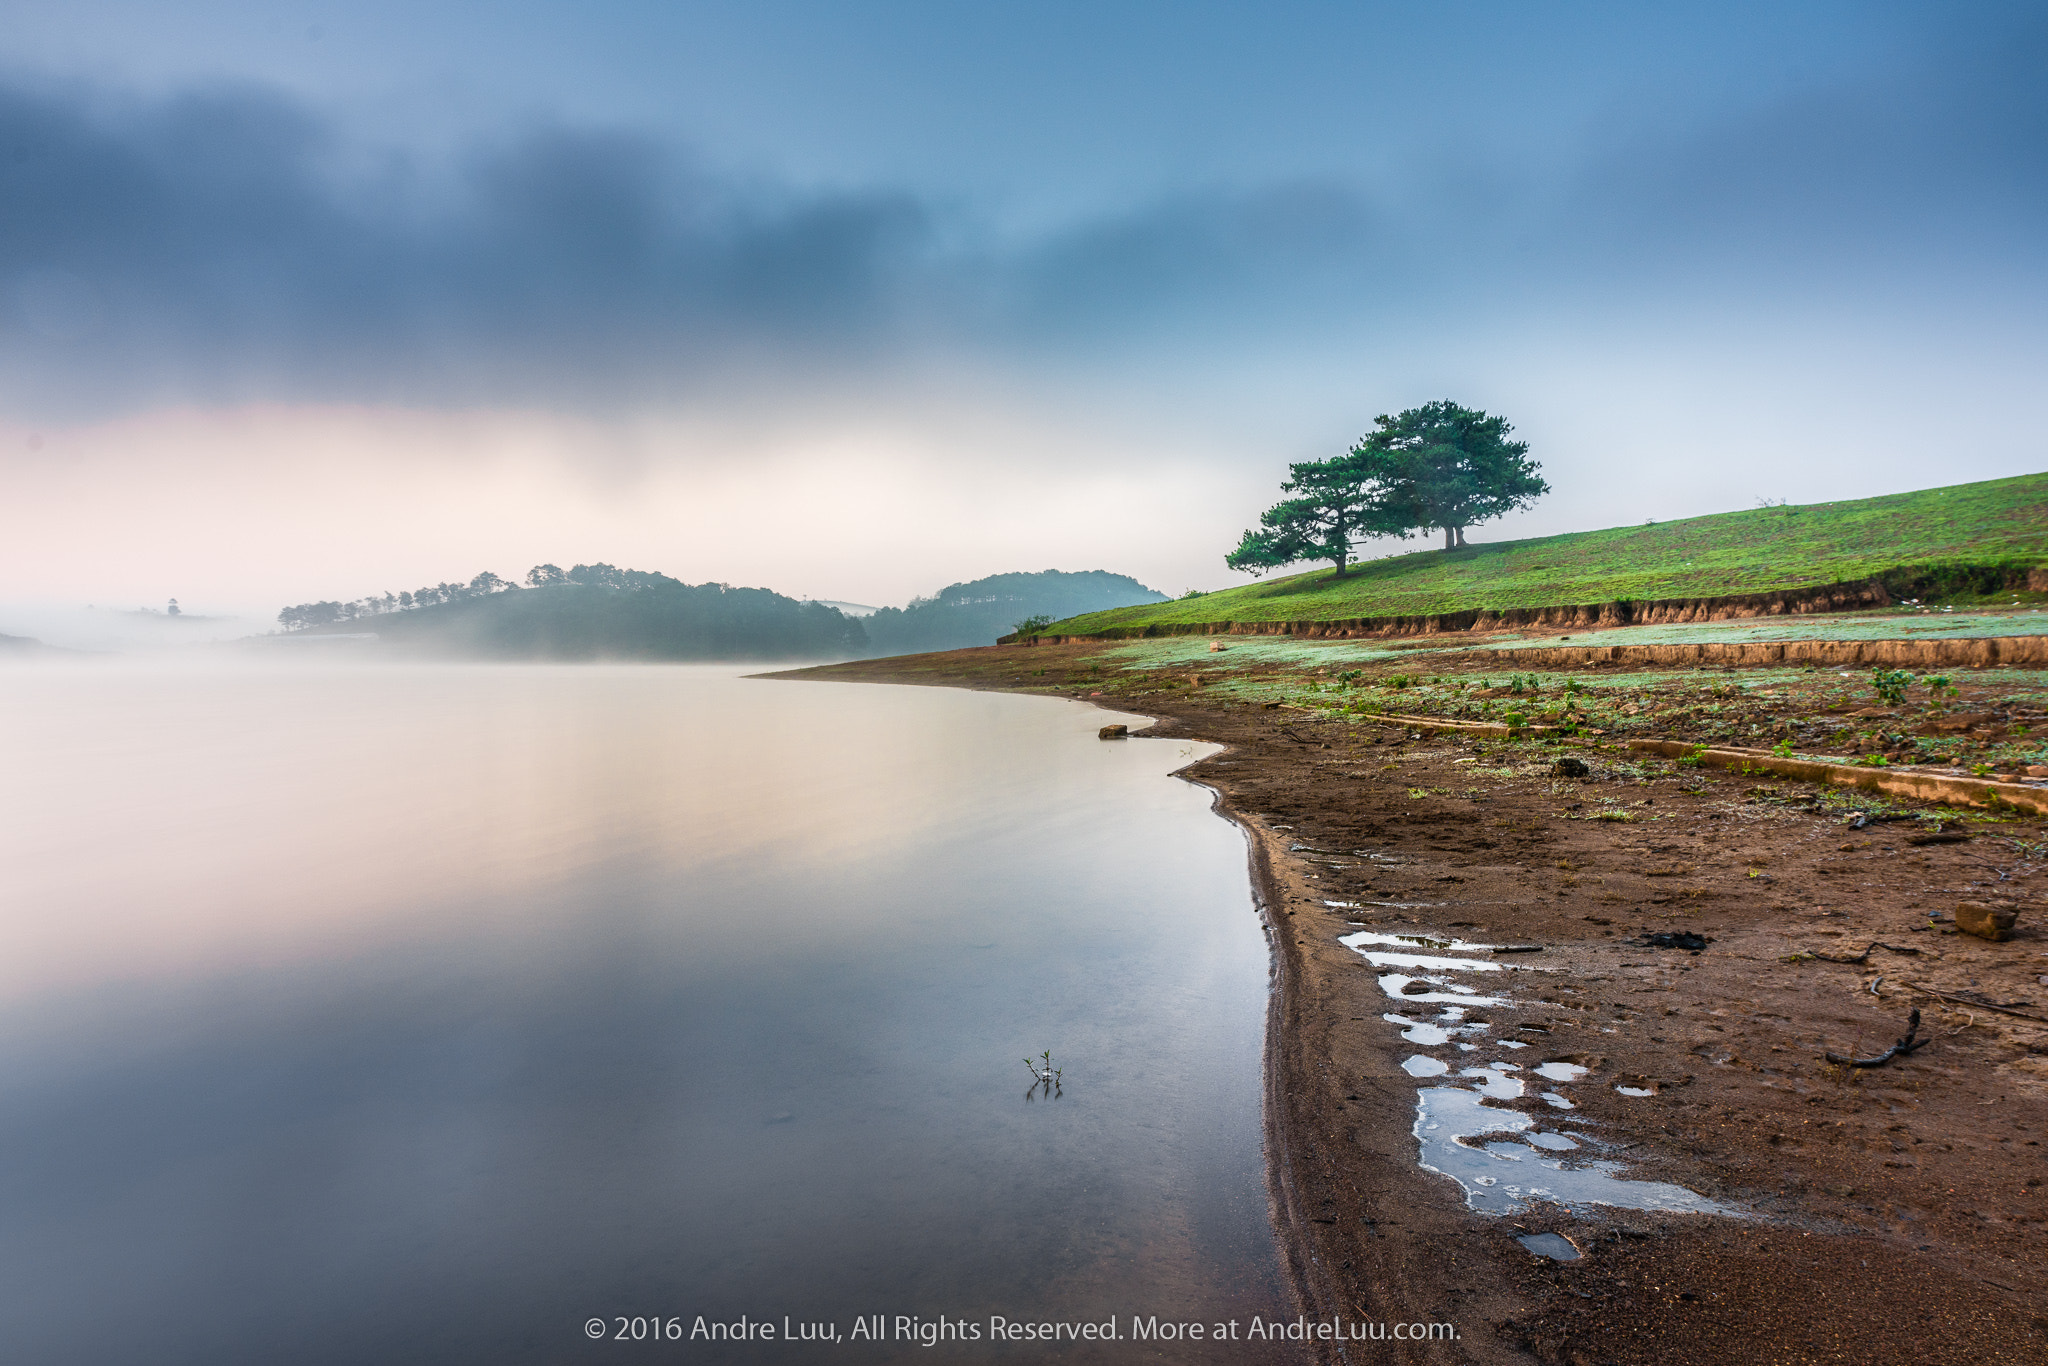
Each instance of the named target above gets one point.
<point>1885,1215</point>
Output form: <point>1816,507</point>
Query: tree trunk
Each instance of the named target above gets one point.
<point>1461,538</point>
<point>1450,539</point>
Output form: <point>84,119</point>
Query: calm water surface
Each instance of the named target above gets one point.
<point>399,1014</point>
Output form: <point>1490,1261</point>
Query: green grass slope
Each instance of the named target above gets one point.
<point>2001,522</point>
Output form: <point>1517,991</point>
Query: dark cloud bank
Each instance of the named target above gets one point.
<point>229,245</point>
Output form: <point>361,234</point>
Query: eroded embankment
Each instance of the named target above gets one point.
<point>1978,652</point>
<point>1861,595</point>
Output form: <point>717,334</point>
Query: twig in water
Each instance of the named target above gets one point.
<point>1047,1075</point>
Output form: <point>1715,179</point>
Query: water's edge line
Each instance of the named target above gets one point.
<point>1308,1283</point>
<point>1312,1295</point>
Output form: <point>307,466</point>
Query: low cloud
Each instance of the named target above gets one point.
<point>229,245</point>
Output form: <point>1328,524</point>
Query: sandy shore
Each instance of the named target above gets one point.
<point>1879,1215</point>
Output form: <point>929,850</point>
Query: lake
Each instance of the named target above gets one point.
<point>359,1013</point>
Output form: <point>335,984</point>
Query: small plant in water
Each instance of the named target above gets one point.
<point>1044,1076</point>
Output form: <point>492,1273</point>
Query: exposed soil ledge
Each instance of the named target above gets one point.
<point>1976,652</point>
<point>1912,785</point>
<point>1857,596</point>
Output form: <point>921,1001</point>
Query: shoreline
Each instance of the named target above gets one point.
<point>1821,1262</point>
<point>1286,1123</point>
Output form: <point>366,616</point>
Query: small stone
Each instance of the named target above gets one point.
<point>1113,733</point>
<point>1569,767</point>
<point>1984,920</point>
<point>1217,647</point>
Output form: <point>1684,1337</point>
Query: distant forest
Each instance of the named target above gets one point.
<point>594,611</point>
<point>597,611</point>
<point>976,613</point>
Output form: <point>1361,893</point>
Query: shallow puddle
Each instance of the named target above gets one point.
<point>1498,1157</point>
<point>1352,941</point>
<point>1510,1173</point>
<point>1420,1031</point>
<point>1555,1246</point>
<point>1396,985</point>
<point>1423,961</point>
<point>1494,1082</point>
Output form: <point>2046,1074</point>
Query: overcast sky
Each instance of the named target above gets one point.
<point>854,301</point>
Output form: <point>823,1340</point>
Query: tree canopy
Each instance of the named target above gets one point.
<point>1440,465</point>
<point>1449,467</point>
<point>1334,506</point>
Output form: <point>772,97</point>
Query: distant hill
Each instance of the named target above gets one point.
<point>1964,539</point>
<point>977,613</point>
<point>587,613</point>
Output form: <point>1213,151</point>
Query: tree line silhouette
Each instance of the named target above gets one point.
<point>593,611</point>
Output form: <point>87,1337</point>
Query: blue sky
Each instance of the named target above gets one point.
<point>859,300</point>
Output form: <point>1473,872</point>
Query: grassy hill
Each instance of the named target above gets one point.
<point>1963,536</point>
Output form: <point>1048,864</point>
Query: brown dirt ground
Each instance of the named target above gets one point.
<point>1894,1214</point>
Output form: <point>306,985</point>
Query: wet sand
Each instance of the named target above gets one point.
<point>1878,1215</point>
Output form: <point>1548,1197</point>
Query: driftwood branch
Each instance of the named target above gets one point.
<point>1897,1050</point>
<point>1976,1004</point>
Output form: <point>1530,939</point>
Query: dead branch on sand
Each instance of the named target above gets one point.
<point>1897,1050</point>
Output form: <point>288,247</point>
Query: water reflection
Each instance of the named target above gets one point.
<point>420,1015</point>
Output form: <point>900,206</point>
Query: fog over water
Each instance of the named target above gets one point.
<point>420,1014</point>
